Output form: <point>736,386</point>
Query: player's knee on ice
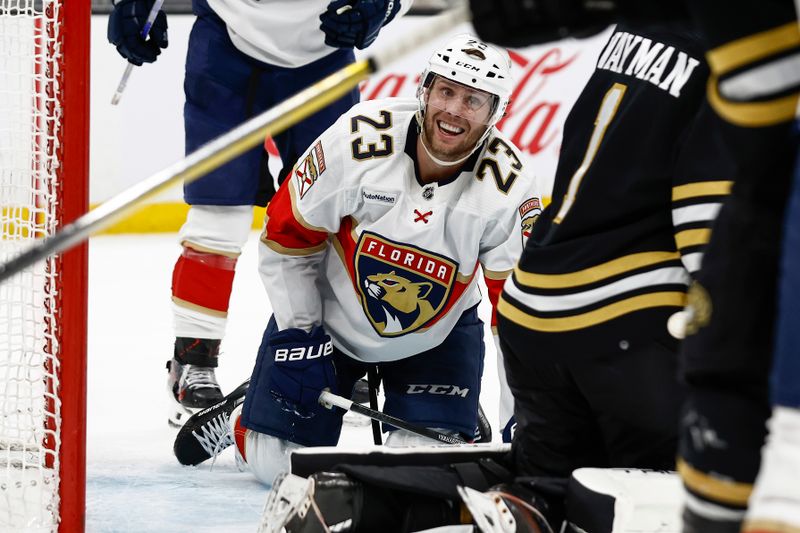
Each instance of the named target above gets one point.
<point>267,456</point>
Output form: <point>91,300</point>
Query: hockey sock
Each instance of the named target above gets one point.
<point>199,352</point>
<point>203,281</point>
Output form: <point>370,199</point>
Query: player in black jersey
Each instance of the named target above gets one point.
<point>591,364</point>
<point>753,52</point>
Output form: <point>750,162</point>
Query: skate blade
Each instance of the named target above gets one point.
<point>178,414</point>
<point>290,496</point>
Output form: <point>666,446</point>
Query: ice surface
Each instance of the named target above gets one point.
<point>134,483</point>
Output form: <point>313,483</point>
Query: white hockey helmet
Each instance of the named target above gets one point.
<point>469,61</point>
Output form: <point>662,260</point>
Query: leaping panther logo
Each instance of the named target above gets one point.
<point>402,287</point>
<point>401,301</point>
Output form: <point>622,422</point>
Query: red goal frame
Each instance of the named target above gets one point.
<point>76,18</point>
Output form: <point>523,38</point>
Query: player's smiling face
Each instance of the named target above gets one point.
<point>455,118</point>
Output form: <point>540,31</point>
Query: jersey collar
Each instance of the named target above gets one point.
<point>411,150</point>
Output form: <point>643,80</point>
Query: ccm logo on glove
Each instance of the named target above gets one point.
<point>303,352</point>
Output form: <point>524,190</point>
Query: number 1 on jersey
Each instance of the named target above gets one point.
<point>608,109</point>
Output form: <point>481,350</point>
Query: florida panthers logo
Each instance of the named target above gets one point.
<point>402,287</point>
<point>529,213</point>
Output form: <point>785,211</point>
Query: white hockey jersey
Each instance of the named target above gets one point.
<point>285,33</point>
<point>355,241</point>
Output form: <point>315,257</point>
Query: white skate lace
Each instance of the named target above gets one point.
<point>199,377</point>
<point>214,436</point>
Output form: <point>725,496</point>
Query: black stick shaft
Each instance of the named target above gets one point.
<point>348,405</point>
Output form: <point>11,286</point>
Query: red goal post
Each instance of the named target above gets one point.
<point>44,161</point>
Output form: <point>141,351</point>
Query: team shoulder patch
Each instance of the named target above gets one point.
<point>310,169</point>
<point>529,212</point>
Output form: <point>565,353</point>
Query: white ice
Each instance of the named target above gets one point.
<point>134,483</point>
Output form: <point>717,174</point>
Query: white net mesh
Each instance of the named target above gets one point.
<point>30,50</point>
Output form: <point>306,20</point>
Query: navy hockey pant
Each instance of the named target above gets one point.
<point>785,384</point>
<point>225,87</point>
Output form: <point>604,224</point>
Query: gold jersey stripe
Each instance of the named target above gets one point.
<point>692,237</point>
<point>297,252</point>
<point>773,526</point>
<point>595,273</point>
<point>753,114</point>
<point>754,47</point>
<point>592,318</point>
<point>199,308</point>
<point>205,250</point>
<point>497,275</point>
<point>714,488</point>
<point>702,188</point>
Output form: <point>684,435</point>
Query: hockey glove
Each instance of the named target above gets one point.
<point>303,367</point>
<point>125,26</point>
<point>356,23</point>
<point>514,23</point>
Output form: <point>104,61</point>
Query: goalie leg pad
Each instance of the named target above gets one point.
<point>334,501</point>
<point>610,500</point>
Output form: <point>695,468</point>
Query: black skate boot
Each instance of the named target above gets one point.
<point>206,433</point>
<point>191,382</point>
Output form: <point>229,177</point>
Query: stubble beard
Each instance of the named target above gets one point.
<point>444,152</point>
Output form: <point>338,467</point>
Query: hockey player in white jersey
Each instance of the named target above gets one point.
<point>244,57</point>
<point>370,256</point>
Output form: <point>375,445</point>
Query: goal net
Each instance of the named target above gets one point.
<point>43,156</point>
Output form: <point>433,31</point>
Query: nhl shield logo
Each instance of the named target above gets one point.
<point>402,287</point>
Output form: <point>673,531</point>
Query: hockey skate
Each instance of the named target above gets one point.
<point>206,433</point>
<point>191,381</point>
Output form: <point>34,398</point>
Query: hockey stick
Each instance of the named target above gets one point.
<point>328,399</point>
<point>484,427</point>
<point>232,144</point>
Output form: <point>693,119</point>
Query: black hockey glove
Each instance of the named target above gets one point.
<point>125,26</point>
<point>303,368</point>
<point>516,23</point>
<point>356,23</point>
